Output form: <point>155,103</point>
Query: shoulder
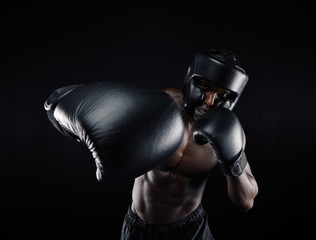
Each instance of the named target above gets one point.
<point>174,93</point>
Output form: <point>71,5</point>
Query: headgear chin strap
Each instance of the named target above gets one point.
<point>215,69</point>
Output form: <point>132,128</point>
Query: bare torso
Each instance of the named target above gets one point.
<point>174,188</point>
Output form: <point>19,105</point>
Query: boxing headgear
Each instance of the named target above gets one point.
<point>221,71</point>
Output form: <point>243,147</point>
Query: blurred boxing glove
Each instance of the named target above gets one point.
<point>221,128</point>
<point>129,129</point>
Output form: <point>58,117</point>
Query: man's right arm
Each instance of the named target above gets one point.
<point>121,124</point>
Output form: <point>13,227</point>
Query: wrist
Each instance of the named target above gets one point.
<point>235,167</point>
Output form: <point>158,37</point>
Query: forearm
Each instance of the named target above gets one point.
<point>243,189</point>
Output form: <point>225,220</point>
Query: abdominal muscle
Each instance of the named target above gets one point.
<point>161,197</point>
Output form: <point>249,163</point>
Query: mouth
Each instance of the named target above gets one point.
<point>200,112</point>
<point>203,109</point>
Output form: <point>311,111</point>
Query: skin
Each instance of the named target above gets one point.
<point>175,188</point>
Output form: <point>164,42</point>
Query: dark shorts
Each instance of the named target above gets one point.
<point>194,226</point>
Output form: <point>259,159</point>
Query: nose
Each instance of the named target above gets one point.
<point>210,98</point>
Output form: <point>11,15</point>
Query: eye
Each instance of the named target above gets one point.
<point>205,87</point>
<point>202,84</point>
<point>223,95</point>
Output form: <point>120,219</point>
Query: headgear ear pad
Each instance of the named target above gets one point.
<point>225,75</point>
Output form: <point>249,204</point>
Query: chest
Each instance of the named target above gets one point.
<point>190,158</point>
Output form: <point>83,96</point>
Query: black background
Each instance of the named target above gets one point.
<point>48,186</point>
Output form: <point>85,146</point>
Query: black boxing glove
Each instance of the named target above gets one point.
<point>221,128</point>
<point>129,129</point>
<point>52,101</point>
<point>192,97</point>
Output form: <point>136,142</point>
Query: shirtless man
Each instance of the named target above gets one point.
<point>168,141</point>
<point>167,200</point>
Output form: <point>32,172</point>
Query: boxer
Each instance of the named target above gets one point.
<point>168,141</point>
<point>166,201</point>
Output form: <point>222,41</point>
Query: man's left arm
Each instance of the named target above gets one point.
<point>243,189</point>
<point>221,128</point>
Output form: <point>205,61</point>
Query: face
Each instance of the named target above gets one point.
<point>212,95</point>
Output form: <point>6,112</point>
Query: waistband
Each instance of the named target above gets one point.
<point>196,216</point>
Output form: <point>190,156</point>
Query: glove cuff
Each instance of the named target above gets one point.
<point>235,167</point>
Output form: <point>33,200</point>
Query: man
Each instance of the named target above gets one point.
<point>167,199</point>
<point>168,141</point>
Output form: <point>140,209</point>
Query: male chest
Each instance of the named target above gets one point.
<point>190,158</point>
